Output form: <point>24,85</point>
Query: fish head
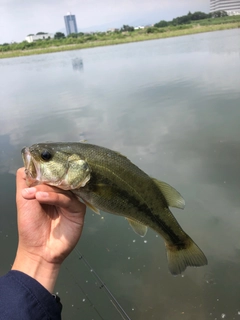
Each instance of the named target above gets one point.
<point>50,164</point>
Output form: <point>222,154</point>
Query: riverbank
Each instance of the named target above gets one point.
<point>128,37</point>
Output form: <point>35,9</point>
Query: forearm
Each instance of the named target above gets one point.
<point>22,297</point>
<point>44,272</point>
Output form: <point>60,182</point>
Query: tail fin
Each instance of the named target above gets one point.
<point>181,257</point>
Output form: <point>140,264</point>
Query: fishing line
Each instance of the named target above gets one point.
<point>113,300</point>
<point>85,294</point>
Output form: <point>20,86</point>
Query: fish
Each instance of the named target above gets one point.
<point>107,180</point>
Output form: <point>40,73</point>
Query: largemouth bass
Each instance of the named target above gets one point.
<point>106,180</point>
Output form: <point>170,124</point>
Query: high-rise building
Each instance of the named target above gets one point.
<point>70,23</point>
<point>225,5</point>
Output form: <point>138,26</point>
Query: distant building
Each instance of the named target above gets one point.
<point>112,30</point>
<point>139,27</point>
<point>33,37</point>
<point>231,7</point>
<point>70,23</point>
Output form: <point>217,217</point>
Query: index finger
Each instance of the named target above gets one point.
<point>20,180</point>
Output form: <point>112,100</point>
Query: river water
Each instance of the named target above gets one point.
<point>173,107</point>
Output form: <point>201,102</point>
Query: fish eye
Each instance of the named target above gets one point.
<point>46,155</point>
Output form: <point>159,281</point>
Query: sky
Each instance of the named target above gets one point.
<point>22,17</point>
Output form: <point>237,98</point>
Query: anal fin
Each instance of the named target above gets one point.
<point>137,227</point>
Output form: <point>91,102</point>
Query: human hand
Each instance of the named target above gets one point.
<point>50,223</point>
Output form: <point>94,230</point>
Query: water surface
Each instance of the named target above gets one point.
<point>172,107</point>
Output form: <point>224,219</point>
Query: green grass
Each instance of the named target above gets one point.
<point>105,39</point>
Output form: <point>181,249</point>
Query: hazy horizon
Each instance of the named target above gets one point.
<point>18,19</point>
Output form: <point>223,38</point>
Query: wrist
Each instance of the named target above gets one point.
<point>36,267</point>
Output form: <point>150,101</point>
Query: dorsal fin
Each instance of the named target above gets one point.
<point>172,196</point>
<point>138,228</point>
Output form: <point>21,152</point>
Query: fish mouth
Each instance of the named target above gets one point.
<point>32,169</point>
<point>26,156</point>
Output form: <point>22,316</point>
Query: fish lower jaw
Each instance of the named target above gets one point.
<point>30,181</point>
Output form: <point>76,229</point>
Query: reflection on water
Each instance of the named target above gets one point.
<point>171,106</point>
<point>77,64</point>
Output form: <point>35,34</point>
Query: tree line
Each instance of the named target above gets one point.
<point>190,17</point>
<point>181,22</point>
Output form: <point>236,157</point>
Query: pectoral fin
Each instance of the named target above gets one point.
<point>139,228</point>
<point>90,206</point>
<point>172,196</point>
